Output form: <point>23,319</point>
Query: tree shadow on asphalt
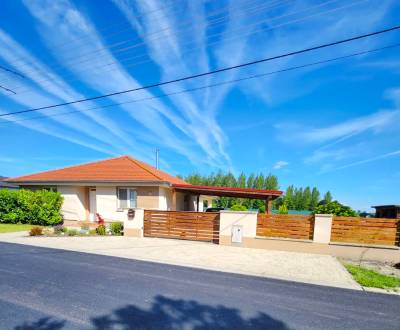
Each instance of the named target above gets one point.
<point>45,323</point>
<point>167,313</point>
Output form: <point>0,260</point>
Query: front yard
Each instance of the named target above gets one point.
<point>10,227</point>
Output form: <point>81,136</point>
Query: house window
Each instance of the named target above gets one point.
<point>126,198</point>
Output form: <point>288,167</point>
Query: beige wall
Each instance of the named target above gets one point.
<point>147,197</point>
<point>107,202</point>
<point>75,201</point>
<point>76,204</point>
<point>228,219</point>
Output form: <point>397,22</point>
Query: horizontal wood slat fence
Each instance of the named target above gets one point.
<point>376,231</point>
<point>285,226</point>
<point>195,226</point>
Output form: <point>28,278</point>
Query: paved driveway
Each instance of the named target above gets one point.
<point>50,289</point>
<point>301,267</point>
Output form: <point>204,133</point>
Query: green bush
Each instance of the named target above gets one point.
<point>101,230</point>
<point>39,207</point>
<point>335,208</point>
<point>238,207</point>
<point>72,232</point>
<point>116,228</point>
<point>283,209</point>
<point>92,232</point>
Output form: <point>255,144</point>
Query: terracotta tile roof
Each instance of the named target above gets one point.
<point>122,168</point>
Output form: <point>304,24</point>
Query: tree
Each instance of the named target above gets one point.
<point>327,197</point>
<point>241,181</point>
<point>271,182</point>
<point>314,198</point>
<point>298,199</point>
<point>335,208</point>
<point>306,199</point>
<point>289,198</point>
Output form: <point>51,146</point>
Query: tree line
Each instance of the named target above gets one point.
<point>300,198</point>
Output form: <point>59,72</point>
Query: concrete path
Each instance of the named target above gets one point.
<point>300,267</point>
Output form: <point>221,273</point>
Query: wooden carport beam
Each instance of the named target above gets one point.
<point>173,208</point>
<point>268,205</point>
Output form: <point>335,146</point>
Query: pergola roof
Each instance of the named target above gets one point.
<point>228,191</point>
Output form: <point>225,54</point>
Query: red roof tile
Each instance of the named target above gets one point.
<point>122,168</point>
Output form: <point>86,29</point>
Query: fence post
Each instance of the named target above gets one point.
<point>237,227</point>
<point>133,226</point>
<point>322,228</point>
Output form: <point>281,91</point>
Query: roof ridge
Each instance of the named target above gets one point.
<point>65,167</point>
<point>138,163</point>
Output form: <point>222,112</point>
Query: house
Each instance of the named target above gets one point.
<point>387,211</point>
<point>113,186</point>
<point>5,185</point>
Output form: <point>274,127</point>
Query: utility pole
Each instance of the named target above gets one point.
<point>157,158</point>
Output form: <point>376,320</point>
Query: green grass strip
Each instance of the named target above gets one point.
<point>10,227</point>
<point>373,279</point>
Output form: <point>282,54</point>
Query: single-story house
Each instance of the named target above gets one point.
<point>113,186</point>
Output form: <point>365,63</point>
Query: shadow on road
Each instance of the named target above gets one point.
<point>45,323</point>
<point>167,313</point>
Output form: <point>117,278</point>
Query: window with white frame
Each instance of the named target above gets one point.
<point>126,198</point>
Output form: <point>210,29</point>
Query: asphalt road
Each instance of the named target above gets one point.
<point>49,289</point>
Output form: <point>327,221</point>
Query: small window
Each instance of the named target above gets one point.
<point>126,198</point>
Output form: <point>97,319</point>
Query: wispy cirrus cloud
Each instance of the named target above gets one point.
<point>280,164</point>
<point>63,19</point>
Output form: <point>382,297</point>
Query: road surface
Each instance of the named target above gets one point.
<point>50,289</point>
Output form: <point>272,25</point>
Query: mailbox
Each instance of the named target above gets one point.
<point>237,233</point>
<point>131,213</point>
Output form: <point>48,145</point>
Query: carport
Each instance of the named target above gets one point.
<point>196,191</point>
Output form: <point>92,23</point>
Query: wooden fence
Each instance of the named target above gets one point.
<point>195,226</point>
<point>376,231</point>
<point>285,226</point>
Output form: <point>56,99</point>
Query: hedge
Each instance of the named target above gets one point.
<point>39,207</point>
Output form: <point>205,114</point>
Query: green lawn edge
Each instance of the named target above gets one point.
<point>11,227</point>
<point>372,279</point>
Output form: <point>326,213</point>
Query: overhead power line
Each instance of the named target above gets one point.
<point>210,85</point>
<point>12,71</point>
<point>238,66</point>
<point>7,89</point>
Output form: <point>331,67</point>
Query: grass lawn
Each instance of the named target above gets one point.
<point>10,227</point>
<point>372,279</point>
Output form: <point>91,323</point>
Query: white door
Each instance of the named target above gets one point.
<point>92,204</point>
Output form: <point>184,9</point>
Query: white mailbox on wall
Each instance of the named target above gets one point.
<point>237,234</point>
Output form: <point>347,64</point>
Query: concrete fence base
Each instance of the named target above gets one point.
<point>133,226</point>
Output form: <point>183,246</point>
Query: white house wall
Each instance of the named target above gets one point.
<point>75,199</point>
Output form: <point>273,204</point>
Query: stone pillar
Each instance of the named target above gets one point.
<point>322,228</point>
<point>133,227</point>
<point>237,227</point>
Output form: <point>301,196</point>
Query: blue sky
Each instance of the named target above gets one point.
<point>334,126</point>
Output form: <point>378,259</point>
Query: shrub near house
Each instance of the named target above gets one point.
<point>39,207</point>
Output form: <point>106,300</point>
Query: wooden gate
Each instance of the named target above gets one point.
<point>194,226</point>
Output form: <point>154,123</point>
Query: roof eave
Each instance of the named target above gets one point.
<point>91,182</point>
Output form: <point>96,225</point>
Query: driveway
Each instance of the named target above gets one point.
<point>55,289</point>
<point>301,267</point>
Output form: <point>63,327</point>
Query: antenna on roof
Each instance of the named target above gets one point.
<point>157,158</point>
